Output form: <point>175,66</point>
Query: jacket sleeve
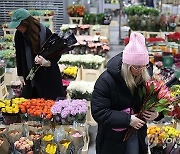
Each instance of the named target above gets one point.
<point>101,107</point>
<point>18,54</point>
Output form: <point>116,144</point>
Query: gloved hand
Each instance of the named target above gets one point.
<point>21,78</point>
<point>42,61</point>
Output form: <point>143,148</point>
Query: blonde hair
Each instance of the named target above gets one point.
<point>131,81</point>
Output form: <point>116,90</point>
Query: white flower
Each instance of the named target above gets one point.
<point>81,86</point>
<point>64,27</point>
<point>171,107</point>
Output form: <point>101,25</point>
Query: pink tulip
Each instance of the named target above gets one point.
<point>163,92</point>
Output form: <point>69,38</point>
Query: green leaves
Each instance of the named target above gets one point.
<point>160,108</point>
<point>152,88</point>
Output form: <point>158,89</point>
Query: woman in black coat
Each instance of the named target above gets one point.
<point>115,101</point>
<point>29,38</point>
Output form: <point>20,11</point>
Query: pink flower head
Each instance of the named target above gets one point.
<point>164,92</point>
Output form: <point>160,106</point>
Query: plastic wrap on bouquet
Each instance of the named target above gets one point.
<point>23,146</point>
<point>13,136</point>
<point>77,141</point>
<point>66,146</point>
<point>56,45</point>
<point>69,120</point>
<point>3,130</point>
<point>4,145</point>
<point>35,127</point>
<point>51,148</point>
<point>36,138</point>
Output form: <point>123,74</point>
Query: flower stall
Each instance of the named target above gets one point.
<point>44,126</point>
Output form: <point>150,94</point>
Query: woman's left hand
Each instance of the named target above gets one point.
<point>150,115</point>
<point>42,61</point>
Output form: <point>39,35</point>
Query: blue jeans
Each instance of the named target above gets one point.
<point>132,145</point>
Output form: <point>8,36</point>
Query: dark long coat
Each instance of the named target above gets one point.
<point>110,96</point>
<point>47,80</point>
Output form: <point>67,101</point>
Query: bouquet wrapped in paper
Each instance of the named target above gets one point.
<point>4,145</point>
<point>24,145</point>
<point>156,97</point>
<point>56,45</point>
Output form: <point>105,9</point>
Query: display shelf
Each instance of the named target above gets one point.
<point>103,31</point>
<point>76,20</point>
<point>92,74</point>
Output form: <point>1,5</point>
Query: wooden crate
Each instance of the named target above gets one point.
<point>10,75</point>
<point>3,91</point>
<point>91,74</point>
<point>9,31</point>
<point>79,74</point>
<point>2,79</point>
<point>76,20</point>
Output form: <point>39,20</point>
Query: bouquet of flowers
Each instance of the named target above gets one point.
<point>155,97</point>
<point>161,136</point>
<point>175,37</point>
<point>68,111</point>
<point>70,71</point>
<point>80,89</point>
<point>175,110</point>
<point>76,10</point>
<point>56,45</point>
<point>88,61</point>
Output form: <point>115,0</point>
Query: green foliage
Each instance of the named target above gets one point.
<point>141,10</point>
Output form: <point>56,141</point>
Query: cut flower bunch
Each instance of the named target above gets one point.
<point>80,89</point>
<point>76,10</point>
<point>156,97</point>
<point>88,61</point>
<point>68,111</point>
<point>38,108</point>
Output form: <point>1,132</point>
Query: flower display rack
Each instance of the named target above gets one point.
<point>2,79</point>
<point>92,74</point>
<point>10,75</point>
<point>3,91</point>
<point>76,20</point>
<point>8,31</point>
<point>103,31</point>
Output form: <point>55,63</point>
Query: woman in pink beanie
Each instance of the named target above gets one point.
<point>115,100</point>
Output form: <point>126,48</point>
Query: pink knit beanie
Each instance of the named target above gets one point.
<point>135,52</point>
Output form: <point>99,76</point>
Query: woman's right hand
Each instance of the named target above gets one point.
<point>136,122</point>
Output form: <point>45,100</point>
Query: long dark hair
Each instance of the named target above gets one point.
<point>33,33</point>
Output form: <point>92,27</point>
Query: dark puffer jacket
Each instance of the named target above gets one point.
<point>109,98</point>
